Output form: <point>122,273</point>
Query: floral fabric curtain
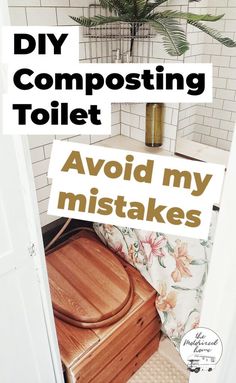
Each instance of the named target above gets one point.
<point>176,267</point>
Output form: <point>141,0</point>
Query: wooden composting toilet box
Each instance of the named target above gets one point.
<point>106,321</point>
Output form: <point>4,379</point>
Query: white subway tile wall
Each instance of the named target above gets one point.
<point>213,123</point>
<point>186,121</point>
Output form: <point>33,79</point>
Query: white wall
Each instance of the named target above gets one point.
<point>214,123</point>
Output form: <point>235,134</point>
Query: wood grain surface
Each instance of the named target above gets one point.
<point>87,282</point>
<point>104,323</point>
<point>140,358</point>
<point>112,353</point>
<point>127,354</point>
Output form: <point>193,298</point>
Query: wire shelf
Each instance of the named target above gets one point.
<point>117,42</point>
<point>116,30</point>
<point>120,30</point>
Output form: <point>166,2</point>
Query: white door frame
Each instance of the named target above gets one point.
<point>27,321</point>
<point>26,173</point>
<point>25,166</point>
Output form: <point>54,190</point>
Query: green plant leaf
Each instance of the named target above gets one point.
<point>181,288</point>
<point>169,247</point>
<point>119,6</point>
<point>214,34</point>
<point>174,38</point>
<point>197,262</point>
<point>193,311</point>
<point>161,263</point>
<point>165,314</point>
<point>188,16</point>
<point>158,2</point>
<point>149,7</point>
<point>106,4</point>
<point>203,279</point>
<point>135,9</point>
<point>95,21</point>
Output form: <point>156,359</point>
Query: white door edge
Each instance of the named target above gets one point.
<point>25,170</point>
<point>25,167</point>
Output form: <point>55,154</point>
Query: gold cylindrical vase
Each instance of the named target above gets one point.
<point>154,125</point>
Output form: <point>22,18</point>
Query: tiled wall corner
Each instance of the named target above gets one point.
<point>214,122</point>
<point>187,120</point>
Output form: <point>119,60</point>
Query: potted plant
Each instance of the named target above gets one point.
<point>166,23</point>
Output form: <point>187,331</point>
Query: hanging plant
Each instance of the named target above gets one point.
<point>166,23</point>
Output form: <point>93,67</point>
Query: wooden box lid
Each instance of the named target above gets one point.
<point>89,285</point>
